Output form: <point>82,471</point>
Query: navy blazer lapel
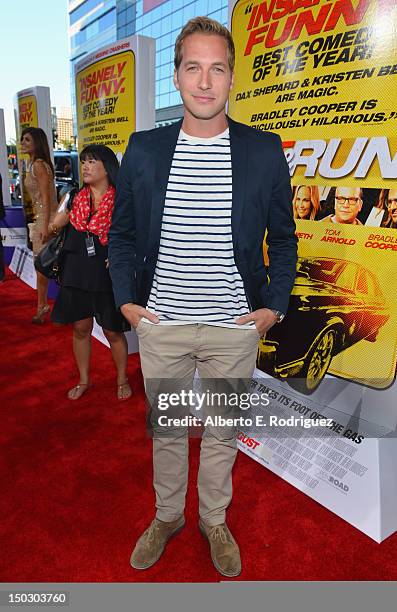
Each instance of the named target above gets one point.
<point>238,151</point>
<point>163,143</point>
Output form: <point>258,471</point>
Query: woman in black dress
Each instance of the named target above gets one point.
<point>86,289</point>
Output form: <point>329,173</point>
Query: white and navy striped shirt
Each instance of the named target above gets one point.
<point>196,279</point>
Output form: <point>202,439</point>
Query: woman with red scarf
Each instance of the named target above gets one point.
<point>86,289</point>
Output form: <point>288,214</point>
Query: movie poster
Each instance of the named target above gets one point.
<point>28,112</point>
<point>323,75</point>
<point>105,95</point>
<point>27,117</point>
<point>32,108</point>
<point>115,93</point>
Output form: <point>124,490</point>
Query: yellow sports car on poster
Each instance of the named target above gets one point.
<point>334,304</point>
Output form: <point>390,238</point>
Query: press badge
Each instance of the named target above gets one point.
<point>89,243</point>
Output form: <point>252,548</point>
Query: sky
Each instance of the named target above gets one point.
<point>33,51</point>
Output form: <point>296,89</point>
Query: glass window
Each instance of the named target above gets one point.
<point>130,12</point>
<point>166,24</point>
<point>156,29</point>
<point>123,4</point>
<point>175,98</point>
<point>177,20</point>
<point>122,32</point>
<point>92,29</point>
<point>121,18</point>
<point>169,69</point>
<point>99,25</point>
<point>217,15</point>
<point>156,13</point>
<point>107,20</point>
<point>79,38</point>
<point>188,13</point>
<point>161,87</point>
<point>130,30</point>
<point>163,56</point>
<point>83,9</point>
<point>164,100</point>
<point>201,7</point>
<point>166,8</point>
<point>169,39</point>
<point>162,74</point>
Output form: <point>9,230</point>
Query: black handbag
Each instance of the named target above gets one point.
<point>48,260</point>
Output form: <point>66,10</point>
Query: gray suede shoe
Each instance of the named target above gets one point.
<point>151,544</point>
<point>225,552</point>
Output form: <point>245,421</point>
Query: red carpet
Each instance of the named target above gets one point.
<point>76,482</point>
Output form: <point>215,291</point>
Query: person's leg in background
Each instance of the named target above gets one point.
<point>82,352</point>
<point>118,346</point>
<point>42,307</point>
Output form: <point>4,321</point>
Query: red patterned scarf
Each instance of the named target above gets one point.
<point>100,221</point>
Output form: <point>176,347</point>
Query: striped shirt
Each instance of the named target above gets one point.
<point>196,279</point>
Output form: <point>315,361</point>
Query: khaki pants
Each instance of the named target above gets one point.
<point>174,352</point>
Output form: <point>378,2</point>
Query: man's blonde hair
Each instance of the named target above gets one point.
<point>204,25</point>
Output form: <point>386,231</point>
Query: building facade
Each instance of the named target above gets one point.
<point>94,23</point>
<point>64,125</point>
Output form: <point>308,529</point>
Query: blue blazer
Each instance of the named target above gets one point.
<point>261,201</point>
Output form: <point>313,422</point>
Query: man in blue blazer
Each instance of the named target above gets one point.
<point>193,203</point>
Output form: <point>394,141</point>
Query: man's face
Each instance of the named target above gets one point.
<point>204,78</point>
<point>392,204</point>
<point>347,204</point>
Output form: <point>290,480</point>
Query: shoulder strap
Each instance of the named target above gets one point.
<point>72,194</point>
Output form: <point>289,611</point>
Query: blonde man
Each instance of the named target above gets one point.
<point>192,206</point>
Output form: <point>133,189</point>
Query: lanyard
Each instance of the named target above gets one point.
<point>92,211</point>
<point>89,240</point>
